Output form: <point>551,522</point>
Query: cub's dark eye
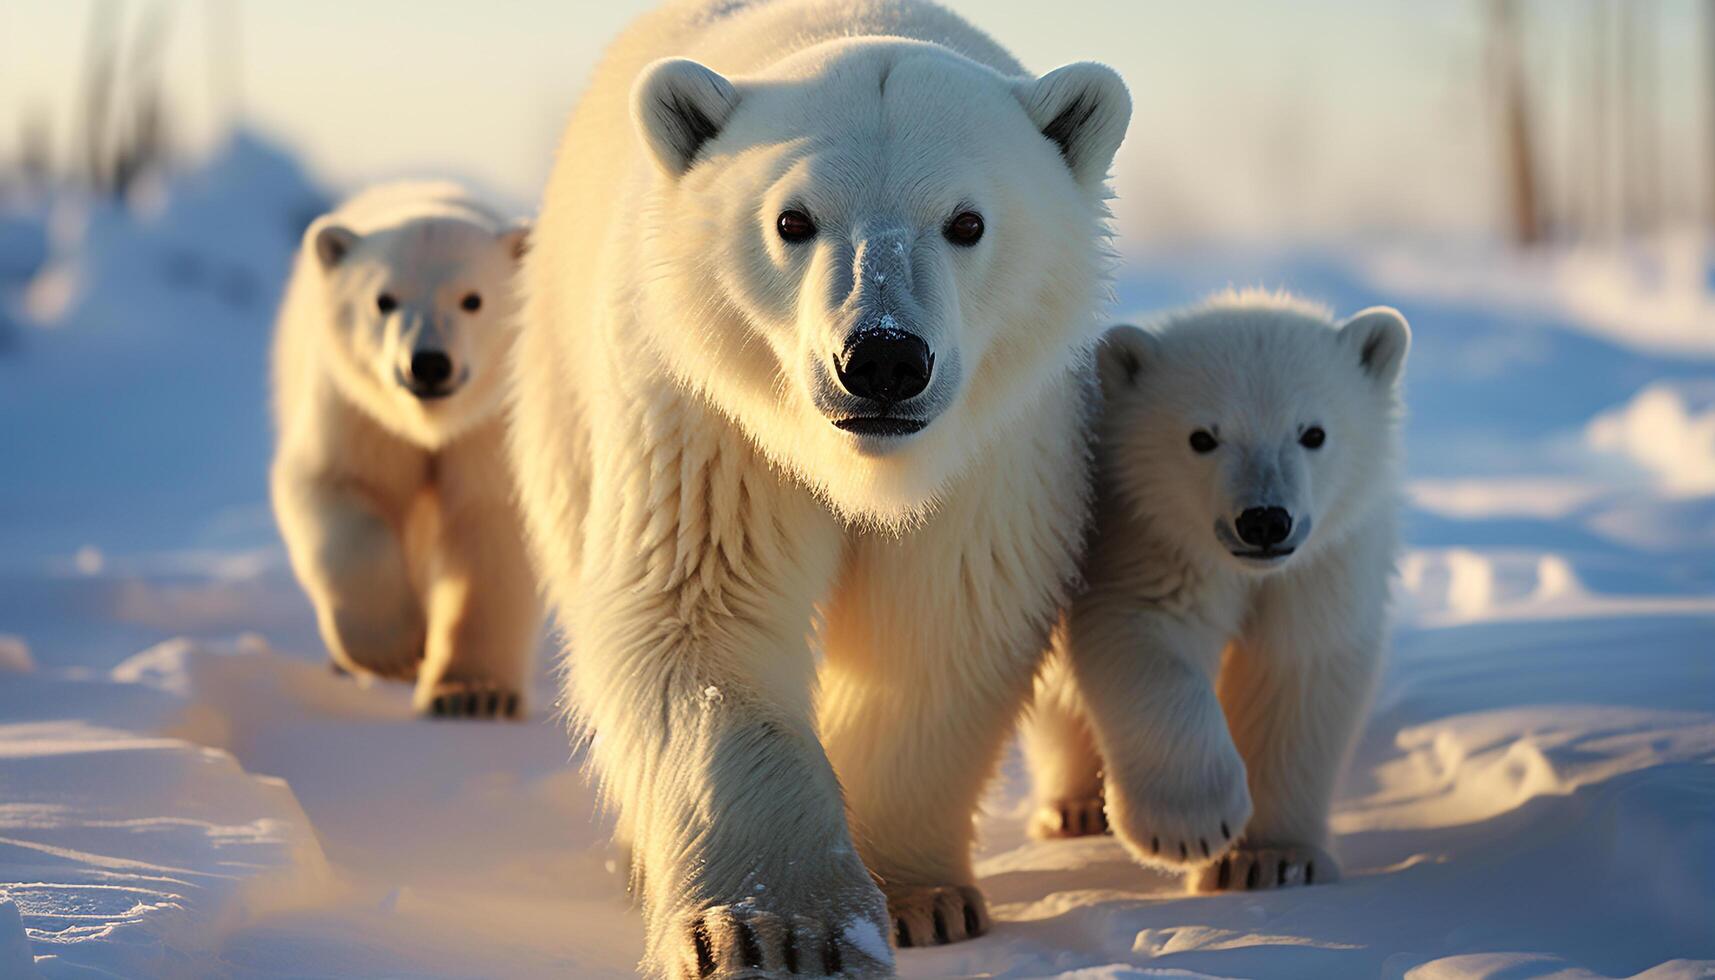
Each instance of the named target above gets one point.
<point>386,303</point>
<point>1313,438</point>
<point>1203,442</point>
<point>795,226</point>
<point>965,229</point>
<point>471,303</point>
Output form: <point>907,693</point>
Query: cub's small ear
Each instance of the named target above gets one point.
<point>678,105</point>
<point>1083,109</point>
<point>331,240</point>
<point>517,240</point>
<point>1379,339</point>
<point>1123,355</point>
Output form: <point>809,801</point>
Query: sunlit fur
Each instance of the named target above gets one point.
<point>397,512</point>
<point>1214,685</point>
<point>696,515</point>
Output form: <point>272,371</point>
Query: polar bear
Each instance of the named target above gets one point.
<point>389,479</point>
<point>804,370</point>
<point>1219,656</point>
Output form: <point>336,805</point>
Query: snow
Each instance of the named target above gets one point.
<point>186,789</point>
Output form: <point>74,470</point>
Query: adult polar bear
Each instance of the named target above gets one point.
<point>804,352</point>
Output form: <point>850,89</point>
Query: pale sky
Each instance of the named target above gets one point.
<point>1253,117</point>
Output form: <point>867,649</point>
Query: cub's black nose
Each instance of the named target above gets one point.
<point>431,368</point>
<point>1264,527</point>
<point>885,366</point>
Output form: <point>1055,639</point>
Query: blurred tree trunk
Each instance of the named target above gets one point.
<point>1518,158</point>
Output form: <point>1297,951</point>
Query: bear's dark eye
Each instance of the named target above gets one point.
<point>966,229</point>
<point>1313,438</point>
<point>386,303</point>
<point>1203,442</point>
<point>795,226</point>
<point>471,303</point>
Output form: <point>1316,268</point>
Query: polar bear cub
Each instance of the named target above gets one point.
<point>389,479</point>
<point>1211,675</point>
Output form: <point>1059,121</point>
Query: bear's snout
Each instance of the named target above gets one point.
<point>429,374</point>
<point>1264,527</point>
<point>885,366</point>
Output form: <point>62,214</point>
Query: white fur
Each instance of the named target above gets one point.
<point>396,511</point>
<point>696,516</point>
<point>1191,743</point>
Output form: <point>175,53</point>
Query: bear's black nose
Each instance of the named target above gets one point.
<point>886,366</point>
<point>430,368</point>
<point>1264,527</point>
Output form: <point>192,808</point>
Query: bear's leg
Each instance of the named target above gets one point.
<point>1295,688</point>
<point>1174,781</point>
<point>690,667</point>
<point>349,557</point>
<point>926,675</point>
<point>483,614</point>
<point>1060,752</point>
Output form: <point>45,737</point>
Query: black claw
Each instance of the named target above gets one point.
<point>1280,873</point>
<point>832,964</point>
<point>1203,842</point>
<point>748,948</point>
<point>512,706</point>
<point>1102,819</point>
<point>1225,833</point>
<point>791,952</point>
<point>472,703</point>
<point>1183,853</point>
<point>705,954</point>
<point>1155,845</point>
<point>493,704</point>
<point>1310,873</point>
<point>901,935</point>
<point>1251,877</point>
<point>1065,820</point>
<point>942,937</point>
<point>439,706</point>
<point>1224,877</point>
<point>973,924</point>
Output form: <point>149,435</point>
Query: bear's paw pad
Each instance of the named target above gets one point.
<point>741,942</point>
<point>1262,867</point>
<point>1085,817</point>
<point>936,915</point>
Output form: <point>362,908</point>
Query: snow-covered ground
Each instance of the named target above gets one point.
<point>185,790</point>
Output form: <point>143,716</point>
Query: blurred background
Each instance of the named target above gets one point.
<point>1528,121</point>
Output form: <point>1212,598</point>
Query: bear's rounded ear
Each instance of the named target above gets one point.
<point>517,240</point>
<point>1379,338</point>
<point>678,105</point>
<point>1083,109</point>
<point>1122,356</point>
<point>331,240</point>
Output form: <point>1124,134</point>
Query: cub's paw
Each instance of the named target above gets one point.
<point>741,942</point>
<point>390,647</point>
<point>935,915</point>
<point>1183,816</point>
<point>1084,817</point>
<point>1260,867</point>
<point>469,699</point>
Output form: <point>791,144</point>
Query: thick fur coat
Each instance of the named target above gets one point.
<point>389,479</point>
<point>1212,672</point>
<point>721,483</point>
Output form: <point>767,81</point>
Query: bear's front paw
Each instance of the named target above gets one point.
<point>741,942</point>
<point>1259,867</point>
<point>1082,817</point>
<point>1181,814</point>
<point>469,699</point>
<point>934,915</point>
